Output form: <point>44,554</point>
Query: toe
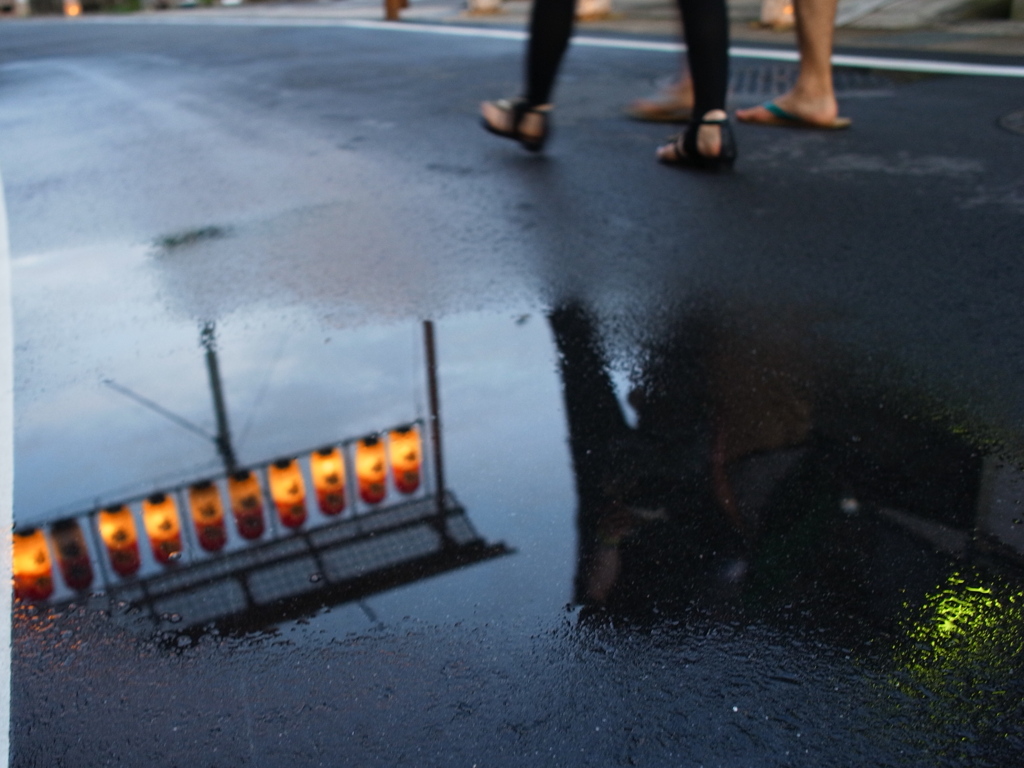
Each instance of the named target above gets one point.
<point>493,114</point>
<point>668,153</point>
<point>753,114</point>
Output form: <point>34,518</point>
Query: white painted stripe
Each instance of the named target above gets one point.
<point>929,66</point>
<point>6,478</point>
<point>868,62</point>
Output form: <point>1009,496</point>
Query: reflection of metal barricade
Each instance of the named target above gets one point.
<point>286,577</point>
<point>335,552</point>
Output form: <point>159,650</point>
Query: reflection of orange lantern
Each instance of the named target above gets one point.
<point>405,452</point>
<point>163,527</point>
<point>371,469</point>
<point>328,469</point>
<point>288,492</point>
<point>72,554</point>
<point>246,503</point>
<point>208,515</point>
<point>117,529</point>
<point>31,566</point>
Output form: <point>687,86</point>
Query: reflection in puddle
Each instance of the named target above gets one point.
<point>958,659</point>
<point>755,485</point>
<point>776,559</point>
<point>397,529</point>
<point>754,476</point>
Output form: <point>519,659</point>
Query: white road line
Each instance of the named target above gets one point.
<point>929,66</point>
<point>6,478</point>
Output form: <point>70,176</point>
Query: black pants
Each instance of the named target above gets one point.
<point>705,28</point>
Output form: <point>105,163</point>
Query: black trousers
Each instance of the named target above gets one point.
<point>705,30</point>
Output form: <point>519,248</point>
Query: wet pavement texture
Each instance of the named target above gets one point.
<point>733,461</point>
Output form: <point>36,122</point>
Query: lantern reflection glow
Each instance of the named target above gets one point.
<point>246,504</point>
<point>328,469</point>
<point>163,527</point>
<point>72,554</point>
<point>371,469</point>
<point>208,515</point>
<point>32,566</point>
<point>405,452</point>
<point>117,529</point>
<point>288,491</point>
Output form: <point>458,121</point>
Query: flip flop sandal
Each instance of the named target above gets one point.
<point>782,118</point>
<point>516,110</point>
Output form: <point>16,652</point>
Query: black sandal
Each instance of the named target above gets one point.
<point>685,146</point>
<point>516,110</point>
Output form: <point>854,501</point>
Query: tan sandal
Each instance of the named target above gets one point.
<point>516,110</point>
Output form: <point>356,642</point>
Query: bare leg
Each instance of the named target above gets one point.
<point>672,105</point>
<point>813,93</point>
<point>813,97</point>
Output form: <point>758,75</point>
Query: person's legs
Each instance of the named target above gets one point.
<point>550,29</point>
<point>673,105</point>
<point>551,23</point>
<point>812,100</point>
<point>706,32</point>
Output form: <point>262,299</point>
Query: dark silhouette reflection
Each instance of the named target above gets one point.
<point>648,526</point>
<point>756,480</point>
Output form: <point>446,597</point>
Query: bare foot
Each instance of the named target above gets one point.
<point>672,105</point>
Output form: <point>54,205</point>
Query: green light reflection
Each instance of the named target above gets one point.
<point>960,660</point>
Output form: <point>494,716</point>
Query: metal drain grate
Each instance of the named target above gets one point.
<point>1013,122</point>
<point>762,81</point>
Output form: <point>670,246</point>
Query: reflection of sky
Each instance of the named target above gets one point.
<point>290,384</point>
<point>505,446</point>
<point>507,460</point>
<point>74,437</point>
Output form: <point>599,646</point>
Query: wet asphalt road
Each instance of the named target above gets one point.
<point>753,438</point>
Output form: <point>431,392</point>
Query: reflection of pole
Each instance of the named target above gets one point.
<point>435,415</point>
<point>223,439</point>
<point>97,546</point>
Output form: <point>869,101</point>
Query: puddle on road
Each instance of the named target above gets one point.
<point>711,538</point>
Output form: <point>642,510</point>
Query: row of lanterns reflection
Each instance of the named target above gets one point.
<point>33,567</point>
